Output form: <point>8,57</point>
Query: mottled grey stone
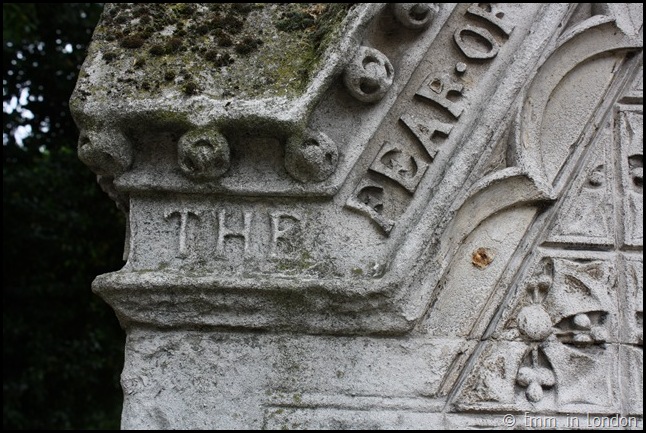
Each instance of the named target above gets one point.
<point>398,216</point>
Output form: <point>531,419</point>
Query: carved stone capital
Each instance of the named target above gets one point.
<point>435,209</point>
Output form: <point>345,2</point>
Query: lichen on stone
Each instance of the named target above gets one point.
<point>221,50</point>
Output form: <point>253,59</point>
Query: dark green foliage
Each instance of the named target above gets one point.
<point>62,345</point>
<point>34,37</point>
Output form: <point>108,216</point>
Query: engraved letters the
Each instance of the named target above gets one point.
<point>265,233</point>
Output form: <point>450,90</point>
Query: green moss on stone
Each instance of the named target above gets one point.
<point>247,45</point>
<point>140,62</point>
<point>109,56</point>
<point>133,41</point>
<point>191,88</point>
<point>174,45</point>
<point>157,50</point>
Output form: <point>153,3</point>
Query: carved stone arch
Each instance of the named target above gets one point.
<point>575,59</point>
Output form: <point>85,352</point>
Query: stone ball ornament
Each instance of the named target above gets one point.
<point>369,75</point>
<point>415,16</point>
<point>311,157</point>
<point>107,152</point>
<point>203,154</point>
<point>534,322</point>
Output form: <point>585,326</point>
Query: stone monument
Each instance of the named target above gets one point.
<point>375,216</point>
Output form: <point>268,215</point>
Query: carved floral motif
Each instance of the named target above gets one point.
<point>569,312</point>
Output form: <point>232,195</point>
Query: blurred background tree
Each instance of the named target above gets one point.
<point>62,345</point>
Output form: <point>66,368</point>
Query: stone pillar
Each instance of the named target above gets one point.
<point>408,215</point>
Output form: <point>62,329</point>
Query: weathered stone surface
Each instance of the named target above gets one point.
<point>376,216</point>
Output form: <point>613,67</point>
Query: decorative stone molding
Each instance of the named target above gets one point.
<point>429,216</point>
